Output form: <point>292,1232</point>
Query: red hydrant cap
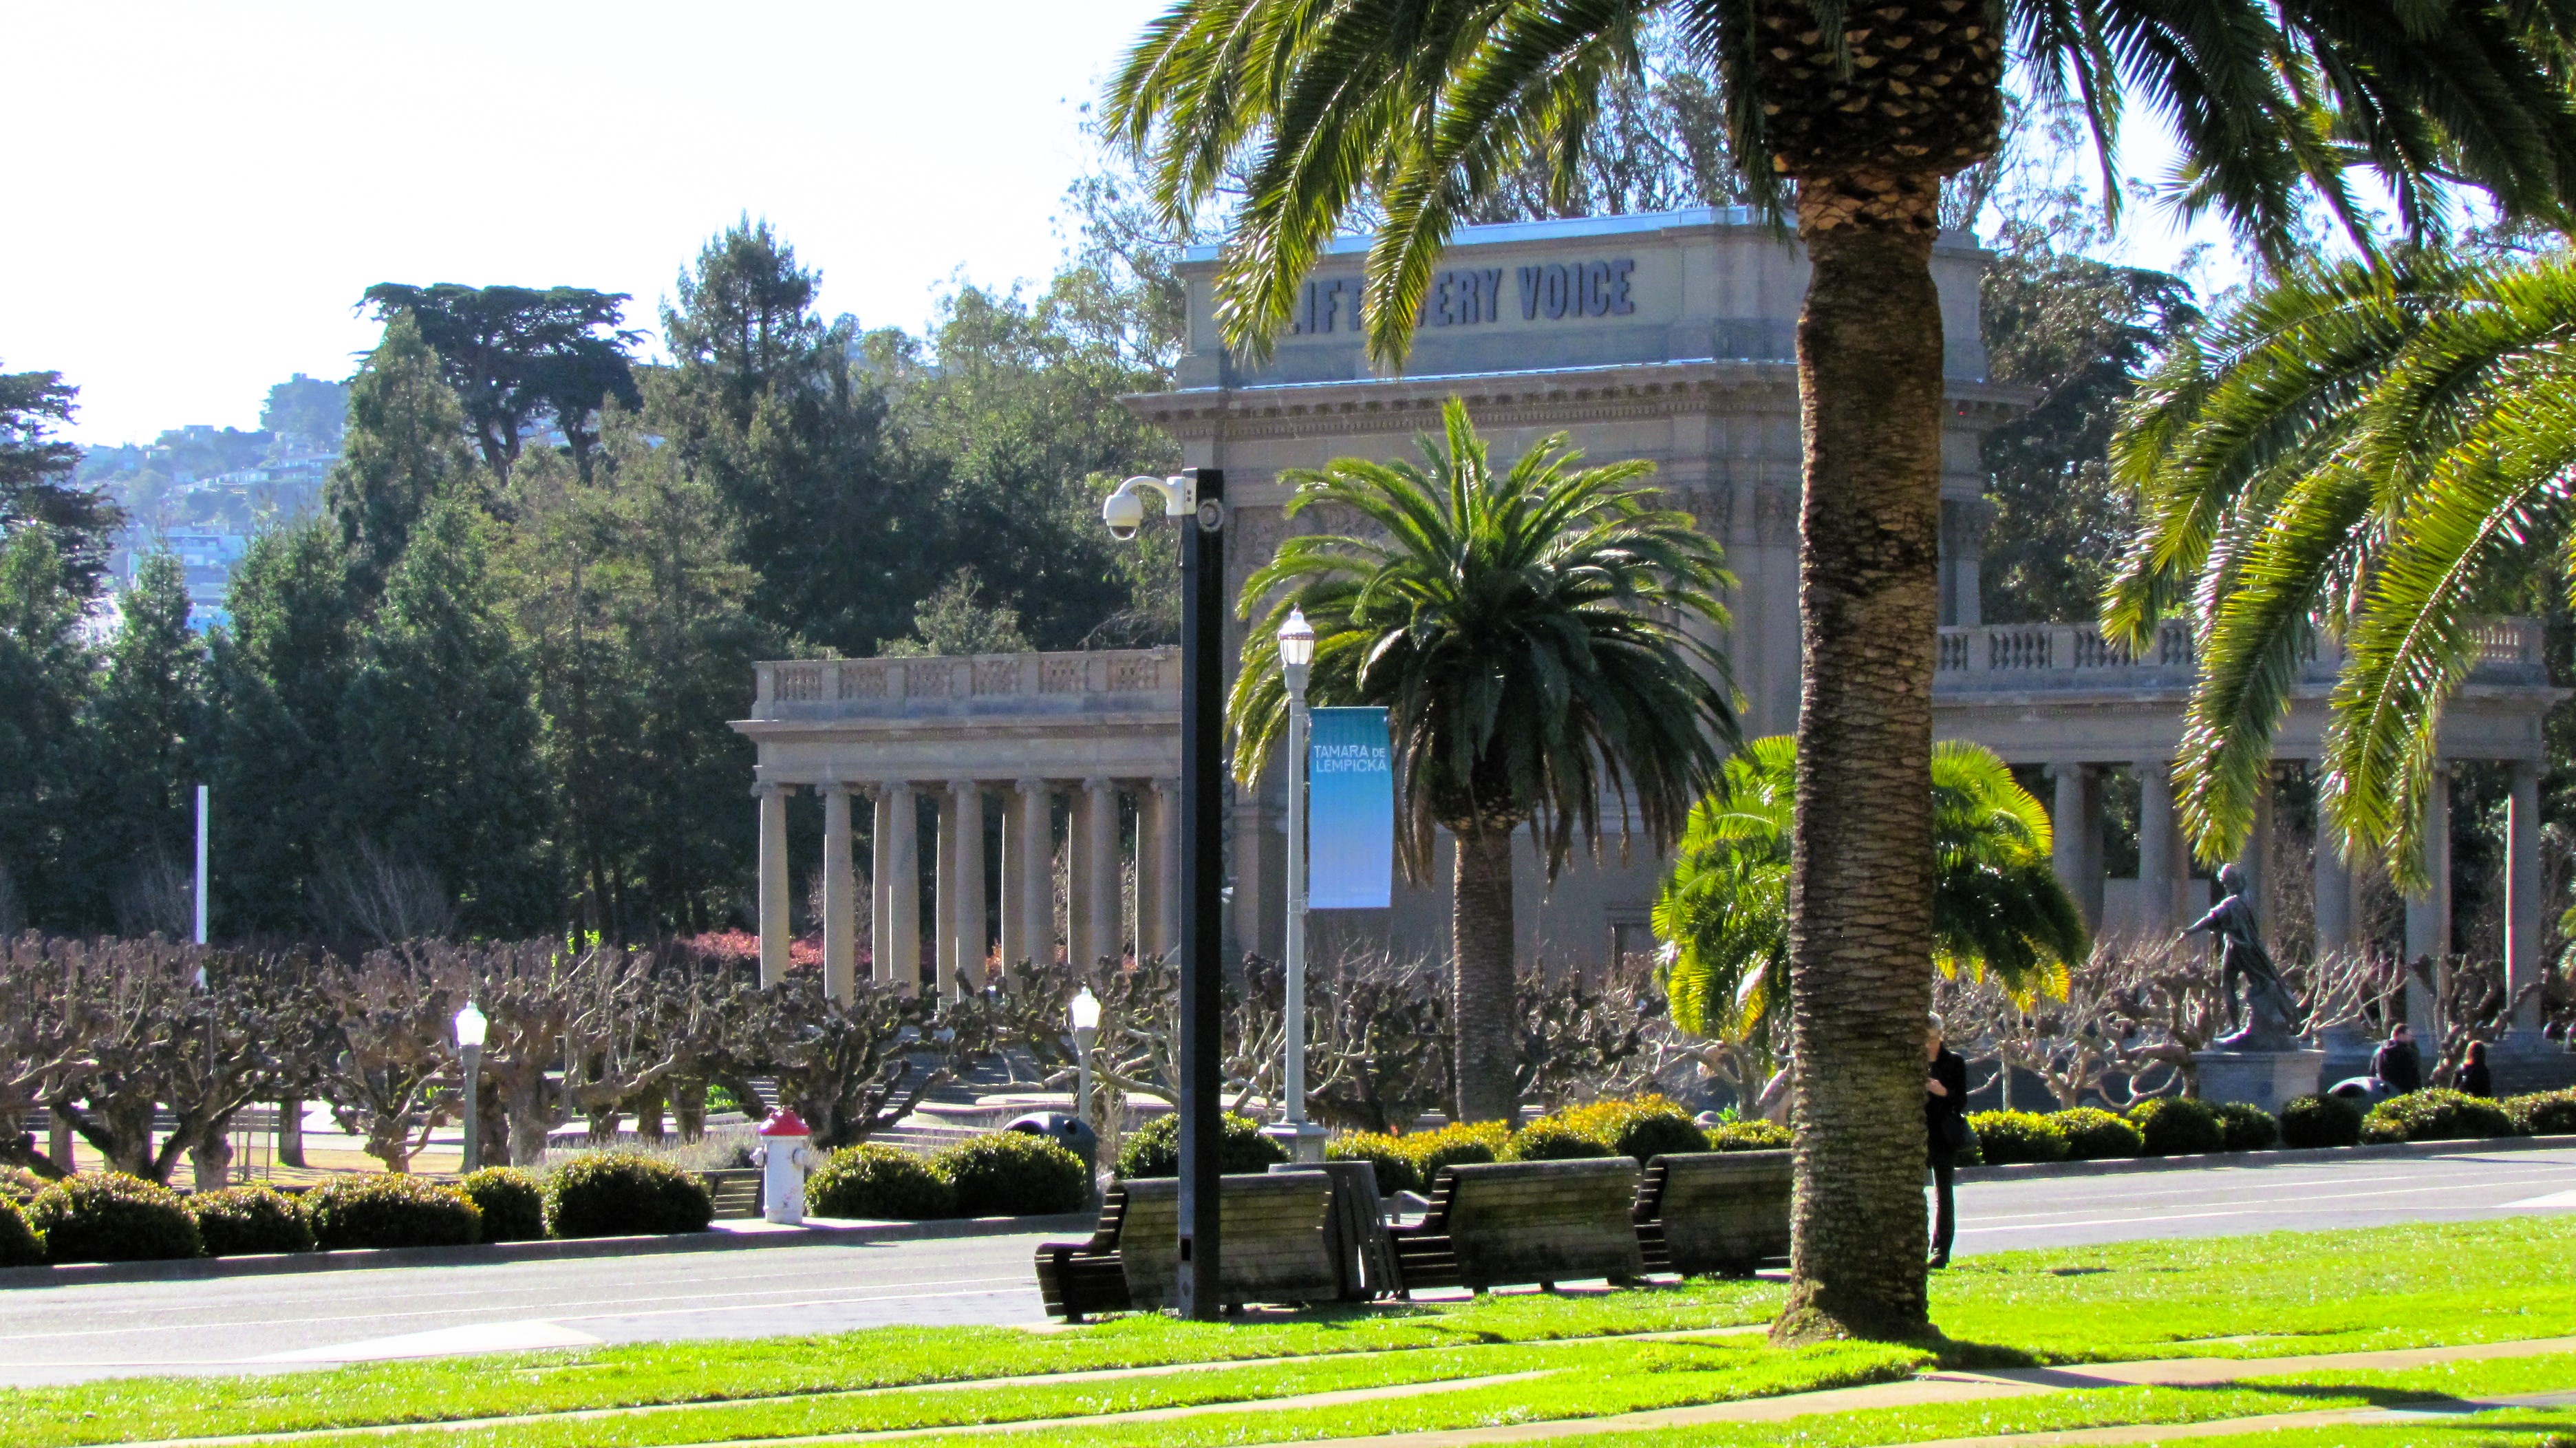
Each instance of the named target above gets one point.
<point>784,1122</point>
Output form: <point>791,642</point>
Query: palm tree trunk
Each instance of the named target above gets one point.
<point>1486,1010</point>
<point>1869,360</point>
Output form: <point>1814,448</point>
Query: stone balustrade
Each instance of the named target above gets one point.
<point>804,689</point>
<point>2024,657</point>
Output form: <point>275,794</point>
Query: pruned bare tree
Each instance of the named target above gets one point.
<point>46,1030</point>
<point>374,893</point>
<point>390,1073</point>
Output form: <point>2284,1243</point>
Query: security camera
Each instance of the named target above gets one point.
<point>1124,512</point>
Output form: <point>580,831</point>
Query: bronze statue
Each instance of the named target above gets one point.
<point>2269,1017</point>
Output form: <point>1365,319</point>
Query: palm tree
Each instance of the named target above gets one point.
<point>2379,449</point>
<point>1539,638</point>
<point>1997,904</point>
<point>1320,110</point>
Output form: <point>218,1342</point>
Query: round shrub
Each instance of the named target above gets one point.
<point>1154,1149</point>
<point>1460,1143</point>
<point>2542,1113</point>
<point>19,1185</point>
<point>2435,1115</point>
<point>2247,1127</point>
<point>112,1217</point>
<point>390,1209</point>
<point>1547,1139</point>
<point>2093,1134</point>
<point>248,1221</point>
<point>1013,1174</point>
<point>513,1202</point>
<point>625,1194</point>
<point>2313,1121</point>
<point>1395,1169</point>
<point>881,1182</point>
<point>20,1244</point>
<point>1749,1136</point>
<point>2178,1126</point>
<point>1642,1129</point>
<point>2008,1138</point>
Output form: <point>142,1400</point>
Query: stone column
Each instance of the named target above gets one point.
<point>2071,823</point>
<point>1094,892</point>
<point>2524,969</point>
<point>943,899</point>
<point>881,888</point>
<point>966,921</point>
<point>2334,896</point>
<point>2428,915</point>
<point>773,881</point>
<point>1166,864</point>
<point>2258,847</point>
<point>899,855</point>
<point>1028,896</point>
<point>2159,846</point>
<point>1149,851</point>
<point>840,897</point>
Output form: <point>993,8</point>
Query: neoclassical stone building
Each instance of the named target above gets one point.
<point>1667,337</point>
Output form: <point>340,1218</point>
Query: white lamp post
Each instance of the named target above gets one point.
<point>470,1028</point>
<point>1296,661</point>
<point>1083,1014</point>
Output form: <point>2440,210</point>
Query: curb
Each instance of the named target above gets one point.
<point>852,1234</point>
<point>2300,1156</point>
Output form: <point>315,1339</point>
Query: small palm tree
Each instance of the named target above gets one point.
<point>1997,904</point>
<point>1541,639</point>
<point>2381,450</point>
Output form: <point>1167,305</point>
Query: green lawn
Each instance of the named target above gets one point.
<point>2277,1296</point>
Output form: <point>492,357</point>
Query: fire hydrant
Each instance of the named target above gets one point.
<point>784,1160</point>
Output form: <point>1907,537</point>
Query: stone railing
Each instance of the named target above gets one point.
<point>2077,655</point>
<point>979,683</point>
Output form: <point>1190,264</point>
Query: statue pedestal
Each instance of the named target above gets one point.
<point>2268,1079</point>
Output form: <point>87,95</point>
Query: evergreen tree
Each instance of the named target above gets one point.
<point>438,738</point>
<point>38,482</point>
<point>148,719</point>
<point>405,445</point>
<point>44,674</point>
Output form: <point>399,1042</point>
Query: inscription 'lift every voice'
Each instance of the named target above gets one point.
<point>1552,292</point>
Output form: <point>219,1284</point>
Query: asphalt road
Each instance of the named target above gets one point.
<point>61,1334</point>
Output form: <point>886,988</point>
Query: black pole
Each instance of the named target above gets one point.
<point>1203,616</point>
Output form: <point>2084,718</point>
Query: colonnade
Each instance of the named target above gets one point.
<point>2164,867</point>
<point>963,933</point>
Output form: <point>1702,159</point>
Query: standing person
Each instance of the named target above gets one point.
<point>1945,1124</point>
<point>2474,1078</point>
<point>2397,1063</point>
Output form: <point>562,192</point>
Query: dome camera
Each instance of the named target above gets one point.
<point>1124,512</point>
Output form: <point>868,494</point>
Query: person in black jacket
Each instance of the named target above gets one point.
<point>1945,1124</point>
<point>2396,1062</point>
<point>2474,1076</point>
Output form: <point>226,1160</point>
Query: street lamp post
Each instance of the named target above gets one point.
<point>1083,1014</point>
<point>470,1027</point>
<point>1296,661</point>
<point>1197,497</point>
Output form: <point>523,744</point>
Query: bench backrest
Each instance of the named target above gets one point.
<point>1722,1210</point>
<point>1274,1247</point>
<point>1542,1221</point>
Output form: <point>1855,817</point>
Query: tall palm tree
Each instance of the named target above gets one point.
<point>1997,904</point>
<point>2383,450</point>
<point>1539,637</point>
<point>1852,114</point>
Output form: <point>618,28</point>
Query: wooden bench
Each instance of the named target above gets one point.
<point>1356,1233</point>
<point>1076,1278</point>
<point>1494,1223</point>
<point>736,1191</point>
<point>1722,1212</point>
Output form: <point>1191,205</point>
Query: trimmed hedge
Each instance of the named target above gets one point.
<point>625,1194</point>
<point>869,1180</point>
<point>2247,1127</point>
<point>1458,1144</point>
<point>1549,1139</point>
<point>1011,1174</point>
<point>513,1202</point>
<point>390,1209</point>
<point>19,1185</point>
<point>2012,1137</point>
<point>1749,1136</point>
<point>2178,1126</point>
<point>2093,1134</point>
<point>20,1244</point>
<point>2435,1115</point>
<point>1388,1154</point>
<point>1642,1129</point>
<point>2542,1113</point>
<point>249,1221</point>
<point>2314,1121</point>
<point>1154,1149</point>
<point>112,1217</point>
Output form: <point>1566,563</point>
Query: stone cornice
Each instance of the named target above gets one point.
<point>1519,399</point>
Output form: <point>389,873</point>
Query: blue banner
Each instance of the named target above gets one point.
<point>1350,810</point>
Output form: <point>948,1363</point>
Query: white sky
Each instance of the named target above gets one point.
<point>204,190</point>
